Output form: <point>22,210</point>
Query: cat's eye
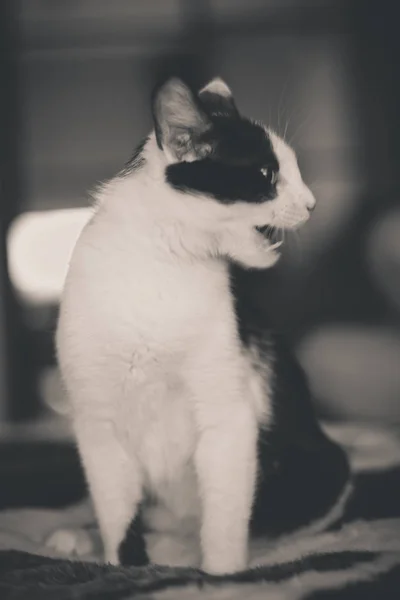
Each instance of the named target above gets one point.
<point>272,176</point>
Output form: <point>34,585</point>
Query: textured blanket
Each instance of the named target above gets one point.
<point>359,558</point>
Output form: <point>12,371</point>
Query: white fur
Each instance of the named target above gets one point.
<point>164,398</point>
<point>217,86</point>
<point>71,542</point>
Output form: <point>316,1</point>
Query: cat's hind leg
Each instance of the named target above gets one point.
<point>304,491</point>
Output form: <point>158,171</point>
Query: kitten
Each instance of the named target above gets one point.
<point>182,399</point>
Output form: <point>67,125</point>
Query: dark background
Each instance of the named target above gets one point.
<point>76,78</point>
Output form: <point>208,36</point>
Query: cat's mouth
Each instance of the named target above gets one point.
<point>273,234</point>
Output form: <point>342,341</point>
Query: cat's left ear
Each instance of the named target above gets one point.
<point>180,122</point>
<point>217,99</point>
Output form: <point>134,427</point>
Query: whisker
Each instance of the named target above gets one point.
<point>289,240</point>
<point>316,183</point>
<point>286,128</point>
<point>290,119</point>
<point>300,128</point>
<point>279,120</point>
<point>296,246</point>
<point>300,246</point>
<point>280,102</point>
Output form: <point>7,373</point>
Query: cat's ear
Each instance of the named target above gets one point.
<point>179,122</point>
<point>217,99</point>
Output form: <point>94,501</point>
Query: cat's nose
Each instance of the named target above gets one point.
<point>310,201</point>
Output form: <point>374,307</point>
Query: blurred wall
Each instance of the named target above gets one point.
<point>320,72</point>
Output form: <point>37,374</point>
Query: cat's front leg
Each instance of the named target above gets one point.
<point>249,248</point>
<point>115,487</point>
<point>225,461</point>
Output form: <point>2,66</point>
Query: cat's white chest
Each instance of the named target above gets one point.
<point>128,326</point>
<point>156,425</point>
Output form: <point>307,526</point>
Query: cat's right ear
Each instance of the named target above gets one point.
<point>179,122</point>
<point>217,99</point>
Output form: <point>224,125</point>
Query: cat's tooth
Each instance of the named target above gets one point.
<point>276,245</point>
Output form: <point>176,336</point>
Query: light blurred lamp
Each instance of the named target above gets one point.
<point>39,247</point>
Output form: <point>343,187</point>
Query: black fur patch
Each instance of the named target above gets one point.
<point>132,550</point>
<point>232,171</point>
<point>217,105</point>
<point>301,472</point>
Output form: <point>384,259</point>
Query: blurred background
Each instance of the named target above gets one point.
<point>76,78</point>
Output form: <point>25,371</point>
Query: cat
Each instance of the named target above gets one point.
<point>183,401</point>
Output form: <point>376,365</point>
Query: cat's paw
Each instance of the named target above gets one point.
<point>173,550</point>
<point>71,542</point>
<point>223,566</point>
<point>223,559</point>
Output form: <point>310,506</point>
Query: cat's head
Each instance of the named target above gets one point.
<point>249,173</point>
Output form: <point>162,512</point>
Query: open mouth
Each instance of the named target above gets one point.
<point>272,234</point>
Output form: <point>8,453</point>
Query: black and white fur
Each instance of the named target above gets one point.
<point>183,402</point>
